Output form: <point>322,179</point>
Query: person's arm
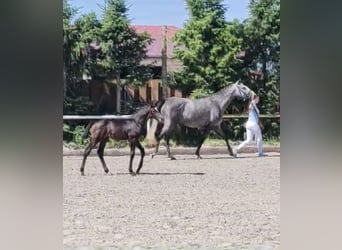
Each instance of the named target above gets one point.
<point>260,123</point>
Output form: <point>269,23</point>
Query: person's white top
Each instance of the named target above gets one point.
<point>253,113</point>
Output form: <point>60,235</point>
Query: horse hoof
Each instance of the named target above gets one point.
<point>133,174</point>
<point>172,158</point>
<point>82,174</point>
<point>107,171</point>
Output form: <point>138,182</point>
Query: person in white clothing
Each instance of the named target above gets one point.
<point>252,127</point>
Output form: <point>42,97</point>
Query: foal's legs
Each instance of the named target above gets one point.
<point>220,132</point>
<point>204,133</point>
<point>142,152</point>
<point>87,151</point>
<point>100,154</point>
<point>132,145</point>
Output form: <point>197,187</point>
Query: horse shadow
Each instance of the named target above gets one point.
<point>155,173</point>
<point>225,157</point>
<point>178,158</point>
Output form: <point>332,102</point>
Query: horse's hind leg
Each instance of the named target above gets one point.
<point>167,128</point>
<point>155,150</point>
<point>156,135</point>
<point>204,134</point>
<point>87,151</point>
<point>100,153</point>
<point>142,152</point>
<point>167,140</point>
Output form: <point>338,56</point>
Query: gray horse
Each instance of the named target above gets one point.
<point>205,114</point>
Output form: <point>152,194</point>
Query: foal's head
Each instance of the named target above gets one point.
<point>142,113</point>
<point>155,114</point>
<point>148,112</point>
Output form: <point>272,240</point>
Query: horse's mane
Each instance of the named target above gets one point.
<point>219,92</point>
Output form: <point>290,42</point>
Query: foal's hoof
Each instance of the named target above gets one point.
<point>82,174</point>
<point>152,155</point>
<point>199,157</point>
<point>172,158</point>
<point>132,173</point>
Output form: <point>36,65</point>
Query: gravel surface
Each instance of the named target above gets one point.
<point>218,202</point>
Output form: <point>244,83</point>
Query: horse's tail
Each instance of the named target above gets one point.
<point>150,135</point>
<point>153,126</point>
<point>86,131</point>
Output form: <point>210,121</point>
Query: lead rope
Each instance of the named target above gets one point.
<point>255,111</point>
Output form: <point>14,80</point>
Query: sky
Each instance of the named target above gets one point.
<point>162,12</point>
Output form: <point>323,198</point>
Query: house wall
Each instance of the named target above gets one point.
<point>103,93</point>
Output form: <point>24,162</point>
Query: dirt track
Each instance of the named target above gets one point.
<point>215,203</point>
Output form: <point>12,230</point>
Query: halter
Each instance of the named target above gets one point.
<point>240,91</point>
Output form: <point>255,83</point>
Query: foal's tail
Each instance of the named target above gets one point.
<point>86,131</point>
<point>159,104</point>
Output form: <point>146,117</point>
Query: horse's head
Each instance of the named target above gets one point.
<point>242,92</point>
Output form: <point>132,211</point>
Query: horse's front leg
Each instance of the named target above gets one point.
<point>220,132</point>
<point>132,145</point>
<point>142,152</point>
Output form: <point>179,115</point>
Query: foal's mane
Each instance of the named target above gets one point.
<point>141,112</point>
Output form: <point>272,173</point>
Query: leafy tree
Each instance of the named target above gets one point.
<point>261,43</point>
<point>263,37</point>
<point>207,48</point>
<point>71,47</point>
<point>89,28</point>
<point>122,48</point>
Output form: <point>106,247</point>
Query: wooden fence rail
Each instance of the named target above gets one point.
<point>100,117</point>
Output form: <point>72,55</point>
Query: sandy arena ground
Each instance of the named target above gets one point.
<point>218,202</point>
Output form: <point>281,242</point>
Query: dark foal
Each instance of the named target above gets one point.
<point>129,128</point>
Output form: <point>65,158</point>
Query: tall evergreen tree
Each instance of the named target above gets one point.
<point>206,47</point>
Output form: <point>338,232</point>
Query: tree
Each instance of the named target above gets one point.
<point>207,49</point>
<point>71,47</point>
<point>263,36</point>
<point>89,28</point>
<point>122,48</point>
<point>261,42</point>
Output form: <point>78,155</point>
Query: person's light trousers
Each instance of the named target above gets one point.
<point>252,128</point>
